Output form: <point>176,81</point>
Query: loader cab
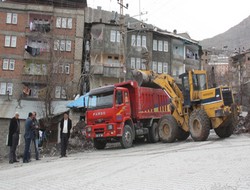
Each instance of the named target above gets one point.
<point>192,83</point>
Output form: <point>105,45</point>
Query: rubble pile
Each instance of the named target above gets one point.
<point>78,141</point>
<point>243,125</point>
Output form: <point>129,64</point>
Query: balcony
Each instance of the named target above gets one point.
<point>107,71</point>
<point>178,57</point>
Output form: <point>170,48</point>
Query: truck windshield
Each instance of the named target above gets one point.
<point>97,101</point>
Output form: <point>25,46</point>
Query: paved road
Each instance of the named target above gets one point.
<point>214,164</point>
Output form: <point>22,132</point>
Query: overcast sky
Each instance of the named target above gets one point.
<point>199,18</point>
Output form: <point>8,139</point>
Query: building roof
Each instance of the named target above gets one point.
<point>9,107</point>
<point>56,3</point>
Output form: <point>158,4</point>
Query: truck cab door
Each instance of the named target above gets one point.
<point>122,101</point>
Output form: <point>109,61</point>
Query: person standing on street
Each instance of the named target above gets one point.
<point>65,126</point>
<point>13,138</point>
<point>28,135</point>
<point>35,138</point>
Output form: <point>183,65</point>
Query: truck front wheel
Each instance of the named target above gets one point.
<point>199,125</point>
<point>168,129</point>
<point>127,137</point>
<point>100,143</point>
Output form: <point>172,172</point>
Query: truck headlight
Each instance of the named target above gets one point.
<point>88,129</point>
<point>110,127</point>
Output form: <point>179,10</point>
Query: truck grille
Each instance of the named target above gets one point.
<point>227,96</point>
<point>99,130</point>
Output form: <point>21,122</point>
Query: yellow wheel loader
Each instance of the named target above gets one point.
<point>195,108</point>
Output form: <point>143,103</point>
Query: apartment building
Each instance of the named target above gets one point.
<point>41,45</point>
<point>109,59</point>
<point>40,39</point>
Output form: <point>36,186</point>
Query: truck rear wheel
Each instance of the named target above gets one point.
<point>153,135</point>
<point>127,137</point>
<point>168,129</point>
<point>199,125</point>
<point>182,135</point>
<point>100,143</point>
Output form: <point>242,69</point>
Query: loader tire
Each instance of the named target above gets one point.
<point>182,135</point>
<point>127,137</point>
<point>100,143</point>
<point>153,135</point>
<point>224,131</point>
<point>168,129</point>
<point>199,125</point>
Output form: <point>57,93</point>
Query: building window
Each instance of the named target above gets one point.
<point>112,35</point>
<point>132,63</point>
<point>159,67</point>
<point>63,45</point>
<point>138,63</point>
<point>165,46</point>
<point>6,88</point>
<point>11,18</point>
<point>67,69</point>
<point>64,22</point>
<point>115,36</point>
<point>138,41</point>
<point>133,40</point>
<point>154,66</point>
<point>10,41</point>
<point>118,36</point>
<point>165,68</point>
<point>155,45</point>
<point>144,41</point>
<point>58,22</point>
<point>8,64</point>
<point>60,92</point>
<point>69,23</point>
<point>68,45</point>
<point>160,45</point>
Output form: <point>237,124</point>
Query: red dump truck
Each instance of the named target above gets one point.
<point>124,112</point>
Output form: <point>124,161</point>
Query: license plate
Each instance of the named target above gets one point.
<point>99,135</point>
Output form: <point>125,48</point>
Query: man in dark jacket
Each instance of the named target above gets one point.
<point>13,138</point>
<point>28,135</point>
<point>65,126</point>
<point>35,138</point>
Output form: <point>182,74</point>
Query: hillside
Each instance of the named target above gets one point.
<point>236,37</point>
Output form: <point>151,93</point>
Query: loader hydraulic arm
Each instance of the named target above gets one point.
<point>167,83</point>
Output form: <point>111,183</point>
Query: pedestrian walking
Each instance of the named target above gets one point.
<point>35,138</point>
<point>13,137</point>
<point>28,135</point>
<point>65,126</point>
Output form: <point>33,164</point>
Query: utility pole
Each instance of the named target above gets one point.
<point>122,41</point>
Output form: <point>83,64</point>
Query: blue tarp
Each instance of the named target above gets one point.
<point>80,102</point>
